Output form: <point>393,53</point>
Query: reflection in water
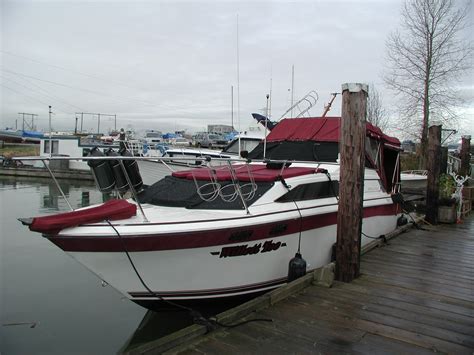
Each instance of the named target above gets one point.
<point>38,275</point>
<point>85,199</point>
<point>77,193</point>
<point>156,325</point>
<point>107,196</point>
<point>50,200</point>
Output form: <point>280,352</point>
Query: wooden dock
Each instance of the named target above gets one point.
<point>415,296</point>
<point>43,173</point>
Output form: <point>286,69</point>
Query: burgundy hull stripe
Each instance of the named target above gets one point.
<point>199,239</point>
<point>215,292</point>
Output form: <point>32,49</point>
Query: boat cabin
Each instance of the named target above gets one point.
<point>317,139</point>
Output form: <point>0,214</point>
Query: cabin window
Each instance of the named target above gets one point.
<point>382,187</point>
<point>372,185</point>
<point>311,191</point>
<point>372,149</point>
<point>300,150</point>
<point>55,147</point>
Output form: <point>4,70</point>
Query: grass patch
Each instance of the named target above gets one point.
<point>20,150</point>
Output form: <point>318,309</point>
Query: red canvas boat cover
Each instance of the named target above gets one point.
<point>319,129</point>
<point>111,210</point>
<point>260,173</point>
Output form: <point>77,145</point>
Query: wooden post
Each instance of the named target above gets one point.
<point>465,158</point>
<point>433,166</point>
<point>351,181</point>
<point>444,160</point>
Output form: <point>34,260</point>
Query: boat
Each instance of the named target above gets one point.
<point>414,182</point>
<point>70,145</point>
<point>32,136</point>
<point>20,136</point>
<point>226,231</point>
<point>156,168</point>
<point>11,135</point>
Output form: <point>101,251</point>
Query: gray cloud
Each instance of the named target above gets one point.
<point>167,64</point>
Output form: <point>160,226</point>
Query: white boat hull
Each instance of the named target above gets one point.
<point>223,270</point>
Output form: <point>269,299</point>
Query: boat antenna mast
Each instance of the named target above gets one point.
<point>328,106</point>
<point>266,129</point>
<point>238,83</point>
<point>292,88</point>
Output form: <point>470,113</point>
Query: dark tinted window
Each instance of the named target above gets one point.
<point>177,192</point>
<point>55,147</point>
<point>311,191</point>
<point>304,151</point>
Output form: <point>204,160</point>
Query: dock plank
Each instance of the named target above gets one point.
<point>415,295</point>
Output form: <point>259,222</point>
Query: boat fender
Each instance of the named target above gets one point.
<point>333,252</point>
<point>296,267</point>
<point>101,171</point>
<point>131,166</point>
<point>120,180</point>
<point>402,220</point>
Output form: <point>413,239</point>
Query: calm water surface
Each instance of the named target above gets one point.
<point>50,304</point>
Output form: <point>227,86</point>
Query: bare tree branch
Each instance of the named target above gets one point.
<point>424,57</point>
<point>376,113</point>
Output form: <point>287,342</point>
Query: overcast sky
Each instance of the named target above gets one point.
<point>170,65</point>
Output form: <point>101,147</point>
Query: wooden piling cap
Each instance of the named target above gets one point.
<point>355,87</point>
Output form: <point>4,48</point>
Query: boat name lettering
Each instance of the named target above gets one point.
<point>241,235</point>
<point>240,250</point>
<point>278,229</point>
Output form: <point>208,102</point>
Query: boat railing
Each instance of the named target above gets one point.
<point>454,164</point>
<point>245,191</point>
<point>144,149</point>
<point>415,172</point>
<point>209,191</point>
<point>212,190</point>
<point>227,192</point>
<point>303,105</point>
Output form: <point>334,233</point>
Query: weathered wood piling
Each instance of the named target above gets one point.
<point>351,186</point>
<point>433,167</point>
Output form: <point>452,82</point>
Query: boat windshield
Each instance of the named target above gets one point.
<point>297,150</point>
<point>181,192</point>
<point>245,144</point>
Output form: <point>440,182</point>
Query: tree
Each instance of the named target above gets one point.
<point>424,59</point>
<point>376,113</point>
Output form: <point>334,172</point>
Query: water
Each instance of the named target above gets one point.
<point>50,304</point>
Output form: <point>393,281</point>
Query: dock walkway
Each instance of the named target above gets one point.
<point>415,296</point>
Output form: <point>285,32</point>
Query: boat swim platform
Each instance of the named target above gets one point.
<point>415,295</point>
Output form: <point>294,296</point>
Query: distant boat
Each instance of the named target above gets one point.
<point>414,182</point>
<point>32,136</point>
<point>19,136</point>
<point>153,170</point>
<point>11,136</point>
